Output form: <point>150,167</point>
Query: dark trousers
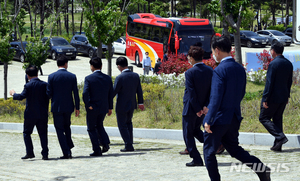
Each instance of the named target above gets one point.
<point>228,135</point>
<point>42,128</point>
<point>274,112</point>
<point>62,123</point>
<point>97,133</point>
<point>124,120</point>
<point>191,129</point>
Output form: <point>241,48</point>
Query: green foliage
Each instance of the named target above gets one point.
<point>253,95</point>
<point>12,107</point>
<point>160,8</point>
<point>66,36</point>
<point>6,54</point>
<point>218,30</point>
<point>20,21</point>
<point>280,27</point>
<point>36,53</point>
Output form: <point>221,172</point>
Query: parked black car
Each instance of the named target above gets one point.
<point>60,46</point>
<point>81,43</point>
<point>251,39</point>
<point>288,32</point>
<point>20,53</point>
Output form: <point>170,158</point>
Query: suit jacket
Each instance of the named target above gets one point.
<point>37,101</point>
<point>127,85</point>
<point>98,92</point>
<point>157,67</point>
<point>279,81</point>
<point>227,91</point>
<point>61,87</point>
<point>197,88</point>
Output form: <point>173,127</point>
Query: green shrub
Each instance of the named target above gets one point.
<point>277,27</point>
<point>12,107</point>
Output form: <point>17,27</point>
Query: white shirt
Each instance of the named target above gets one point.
<point>197,63</point>
<point>229,57</point>
<point>146,62</point>
<point>125,70</point>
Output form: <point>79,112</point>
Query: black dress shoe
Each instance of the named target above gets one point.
<point>220,150</point>
<point>193,164</point>
<point>28,156</point>
<point>45,158</point>
<point>66,157</point>
<point>127,150</point>
<point>105,149</point>
<point>278,145</point>
<point>96,153</point>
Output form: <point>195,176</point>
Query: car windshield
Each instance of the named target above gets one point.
<point>249,33</point>
<point>277,33</point>
<point>57,42</point>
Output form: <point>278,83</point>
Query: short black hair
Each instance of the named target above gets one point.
<point>277,47</point>
<point>122,61</point>
<point>159,59</point>
<point>32,70</point>
<point>196,52</point>
<point>222,43</point>
<point>96,62</point>
<point>61,60</point>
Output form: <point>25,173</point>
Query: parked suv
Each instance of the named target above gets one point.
<point>19,52</point>
<point>60,46</point>
<point>288,32</point>
<point>81,43</point>
<point>274,35</point>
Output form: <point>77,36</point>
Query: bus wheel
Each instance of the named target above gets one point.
<point>137,59</point>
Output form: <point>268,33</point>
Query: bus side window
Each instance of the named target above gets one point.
<point>156,34</point>
<point>148,31</point>
<point>138,31</point>
<point>166,34</point>
<point>131,29</point>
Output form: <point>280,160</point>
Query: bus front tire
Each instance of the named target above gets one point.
<point>137,59</point>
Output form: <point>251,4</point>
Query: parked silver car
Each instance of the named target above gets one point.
<point>274,35</point>
<point>120,45</point>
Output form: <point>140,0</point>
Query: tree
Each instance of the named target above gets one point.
<point>104,25</point>
<point>183,7</point>
<point>6,54</point>
<point>160,8</point>
<point>233,11</point>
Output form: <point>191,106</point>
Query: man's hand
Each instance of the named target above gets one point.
<point>207,128</point>
<point>77,113</point>
<point>265,105</point>
<point>12,92</point>
<point>199,114</point>
<point>141,107</point>
<point>109,112</point>
<point>90,108</point>
<point>205,110</point>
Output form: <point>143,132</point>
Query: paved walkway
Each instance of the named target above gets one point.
<point>152,160</point>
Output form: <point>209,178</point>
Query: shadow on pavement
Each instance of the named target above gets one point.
<point>63,177</point>
<point>152,149</point>
<point>291,150</point>
<point>226,164</point>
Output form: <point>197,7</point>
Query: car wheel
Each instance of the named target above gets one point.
<point>22,58</point>
<point>54,55</point>
<point>137,59</point>
<point>288,44</point>
<point>249,44</point>
<point>125,52</point>
<point>91,53</point>
<point>73,58</point>
<point>274,41</point>
<point>263,46</point>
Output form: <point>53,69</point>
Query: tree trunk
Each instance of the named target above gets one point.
<point>225,28</point>
<point>30,17</point>
<point>194,2</point>
<point>34,32</point>
<point>148,6</point>
<point>99,50</point>
<point>287,13</point>
<point>237,44</point>
<point>109,46</point>
<point>81,20</point>
<point>171,8</point>
<point>5,79</point>
<point>281,11</point>
<point>42,10</point>
<point>73,24</point>
<point>67,17</point>
<point>200,13</point>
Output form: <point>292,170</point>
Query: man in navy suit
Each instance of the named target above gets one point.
<point>223,114</point>
<point>36,112</point>
<point>276,95</point>
<point>61,87</point>
<point>196,96</point>
<point>98,99</point>
<point>127,85</point>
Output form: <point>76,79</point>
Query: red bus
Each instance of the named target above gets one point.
<point>146,32</point>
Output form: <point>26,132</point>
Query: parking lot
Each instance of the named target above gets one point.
<point>80,66</point>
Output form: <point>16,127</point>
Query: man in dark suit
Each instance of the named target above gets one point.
<point>61,87</point>
<point>223,114</point>
<point>157,66</point>
<point>98,99</point>
<point>276,95</point>
<point>127,85</point>
<point>36,112</point>
<point>196,96</point>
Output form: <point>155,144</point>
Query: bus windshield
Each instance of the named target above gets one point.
<point>193,37</point>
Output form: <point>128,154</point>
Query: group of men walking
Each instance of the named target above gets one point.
<point>98,97</point>
<point>212,98</point>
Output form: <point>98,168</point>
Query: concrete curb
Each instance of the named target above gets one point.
<point>264,139</point>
